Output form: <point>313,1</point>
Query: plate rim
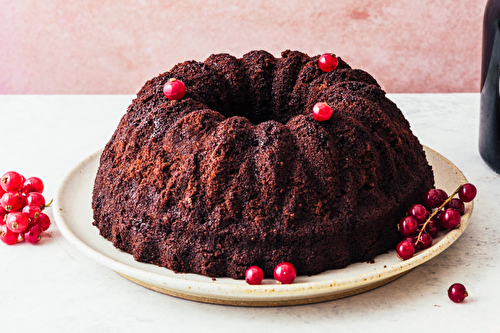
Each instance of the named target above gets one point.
<point>251,293</point>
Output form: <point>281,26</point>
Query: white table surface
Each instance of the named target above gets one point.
<point>52,287</point>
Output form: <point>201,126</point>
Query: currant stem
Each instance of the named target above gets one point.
<point>435,212</point>
<point>47,205</point>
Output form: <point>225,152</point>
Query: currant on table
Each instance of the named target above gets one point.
<point>8,236</point>
<point>457,292</point>
<point>21,206</point>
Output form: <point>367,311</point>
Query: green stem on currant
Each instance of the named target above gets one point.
<point>47,205</point>
<point>435,212</point>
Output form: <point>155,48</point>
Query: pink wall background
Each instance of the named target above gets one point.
<point>113,47</point>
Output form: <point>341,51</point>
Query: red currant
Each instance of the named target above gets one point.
<point>456,204</point>
<point>450,219</point>
<point>254,275</point>
<point>432,199</point>
<point>32,184</point>
<point>33,234</point>
<point>12,202</point>
<point>425,241</point>
<point>43,221</point>
<point>328,62</point>
<point>3,215</point>
<point>467,192</point>
<point>322,111</point>
<point>418,212</point>
<point>11,181</point>
<point>36,199</point>
<point>8,236</point>
<point>408,226</point>
<point>174,89</point>
<point>405,249</point>
<point>457,292</point>
<point>412,241</point>
<point>437,219</point>
<point>442,194</point>
<point>32,212</point>
<point>432,228</point>
<point>17,222</point>
<point>284,273</point>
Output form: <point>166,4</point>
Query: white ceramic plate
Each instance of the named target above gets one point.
<point>73,215</point>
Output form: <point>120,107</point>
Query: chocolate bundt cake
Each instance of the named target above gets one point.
<point>239,173</point>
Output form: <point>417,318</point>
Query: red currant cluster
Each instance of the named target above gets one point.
<point>423,222</point>
<point>21,206</point>
<point>284,273</point>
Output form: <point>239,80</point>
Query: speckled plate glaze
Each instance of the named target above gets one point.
<point>73,215</point>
